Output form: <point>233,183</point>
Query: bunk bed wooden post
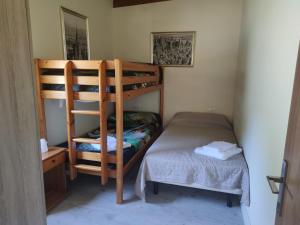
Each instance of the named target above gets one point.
<point>70,118</point>
<point>103,121</point>
<point>161,93</point>
<point>119,128</point>
<point>40,101</point>
<point>161,103</point>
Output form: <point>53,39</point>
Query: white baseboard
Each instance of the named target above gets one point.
<point>245,215</point>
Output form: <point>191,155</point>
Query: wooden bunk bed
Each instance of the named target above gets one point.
<point>153,80</point>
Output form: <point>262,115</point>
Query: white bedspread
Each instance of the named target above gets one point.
<point>171,159</point>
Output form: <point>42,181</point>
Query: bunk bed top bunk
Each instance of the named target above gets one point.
<point>85,74</point>
<point>107,81</point>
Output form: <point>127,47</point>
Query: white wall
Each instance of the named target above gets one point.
<point>48,44</point>
<point>270,38</point>
<point>210,84</point>
<point>125,33</point>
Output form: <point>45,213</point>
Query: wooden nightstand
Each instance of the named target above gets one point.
<point>54,176</point>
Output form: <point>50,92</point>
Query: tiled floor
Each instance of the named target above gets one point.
<point>89,204</point>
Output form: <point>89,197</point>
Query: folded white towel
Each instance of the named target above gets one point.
<point>219,153</point>
<point>219,146</point>
<point>138,135</point>
<point>111,144</point>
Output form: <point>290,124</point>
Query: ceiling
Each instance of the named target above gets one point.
<point>122,3</point>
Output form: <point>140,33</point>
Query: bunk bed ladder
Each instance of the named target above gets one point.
<point>103,121</point>
<point>101,170</point>
<point>68,76</point>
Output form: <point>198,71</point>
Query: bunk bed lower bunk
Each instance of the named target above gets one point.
<point>140,130</point>
<point>103,81</point>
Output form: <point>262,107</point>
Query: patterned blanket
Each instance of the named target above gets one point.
<point>139,127</point>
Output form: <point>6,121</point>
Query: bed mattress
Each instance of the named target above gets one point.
<point>171,159</point>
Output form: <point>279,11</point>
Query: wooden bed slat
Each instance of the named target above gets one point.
<point>83,96</point>
<point>130,66</point>
<point>52,79</point>
<point>86,64</point>
<point>77,64</point>
<point>138,80</point>
<point>86,140</point>
<point>91,156</point>
<point>88,169</point>
<point>95,156</point>
<point>52,64</point>
<point>86,96</point>
<point>110,81</point>
<point>141,91</point>
<point>92,96</point>
<point>133,80</point>
<point>49,94</point>
<point>93,80</point>
<point>94,65</point>
<point>86,80</point>
<point>86,112</point>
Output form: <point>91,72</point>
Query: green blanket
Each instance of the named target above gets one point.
<point>139,127</point>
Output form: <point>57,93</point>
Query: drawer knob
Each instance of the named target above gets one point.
<point>53,160</point>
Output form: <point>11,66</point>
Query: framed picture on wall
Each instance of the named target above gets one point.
<point>173,48</point>
<point>75,35</point>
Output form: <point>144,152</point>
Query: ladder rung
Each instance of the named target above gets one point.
<point>88,169</point>
<point>86,140</point>
<point>85,112</point>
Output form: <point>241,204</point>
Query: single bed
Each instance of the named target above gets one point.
<point>171,158</point>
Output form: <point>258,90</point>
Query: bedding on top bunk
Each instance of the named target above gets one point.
<point>93,88</point>
<point>171,158</point>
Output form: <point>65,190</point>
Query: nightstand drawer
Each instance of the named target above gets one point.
<point>54,161</point>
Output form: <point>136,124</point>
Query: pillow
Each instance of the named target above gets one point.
<point>201,119</point>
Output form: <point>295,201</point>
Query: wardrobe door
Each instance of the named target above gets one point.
<point>21,185</point>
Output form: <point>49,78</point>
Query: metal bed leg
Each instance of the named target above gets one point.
<point>229,200</point>
<point>155,188</point>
